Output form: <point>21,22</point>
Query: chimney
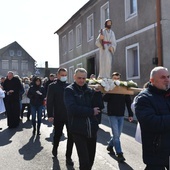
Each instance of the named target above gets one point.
<point>46,64</point>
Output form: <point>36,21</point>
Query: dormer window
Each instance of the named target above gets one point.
<point>19,53</point>
<point>11,52</point>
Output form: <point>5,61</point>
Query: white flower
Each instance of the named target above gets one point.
<point>100,81</point>
<point>107,88</point>
<point>117,82</point>
<point>91,81</point>
<point>125,83</point>
<point>103,83</point>
<point>111,84</point>
<point>132,82</point>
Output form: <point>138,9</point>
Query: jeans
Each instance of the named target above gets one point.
<point>116,123</point>
<point>38,110</point>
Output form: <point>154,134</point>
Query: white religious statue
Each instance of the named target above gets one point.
<point>106,42</point>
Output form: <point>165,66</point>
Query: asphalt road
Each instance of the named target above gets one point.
<point>20,150</point>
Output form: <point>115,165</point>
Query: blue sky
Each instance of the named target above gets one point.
<point>32,24</point>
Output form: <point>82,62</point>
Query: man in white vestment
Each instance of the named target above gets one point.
<point>2,106</point>
<point>106,42</point>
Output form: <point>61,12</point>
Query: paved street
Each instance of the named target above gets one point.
<point>20,150</point>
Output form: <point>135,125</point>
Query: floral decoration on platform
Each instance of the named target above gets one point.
<point>109,84</point>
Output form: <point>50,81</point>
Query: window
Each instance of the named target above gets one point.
<point>64,45</point>
<point>71,74</point>
<point>78,35</point>
<point>24,65</point>
<point>130,9</point>
<point>90,28</point>
<point>11,52</point>
<point>19,53</point>
<point>5,64</point>
<point>14,64</point>
<point>70,40</point>
<point>104,13</point>
<point>79,65</point>
<point>132,62</point>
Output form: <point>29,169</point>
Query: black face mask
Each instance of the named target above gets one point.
<point>108,26</point>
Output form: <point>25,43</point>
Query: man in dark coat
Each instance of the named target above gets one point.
<point>49,81</point>
<point>82,108</point>
<point>57,113</point>
<point>12,87</point>
<point>152,109</point>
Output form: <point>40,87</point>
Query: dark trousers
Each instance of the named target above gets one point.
<point>13,113</point>
<point>86,149</point>
<point>156,167</point>
<point>58,130</point>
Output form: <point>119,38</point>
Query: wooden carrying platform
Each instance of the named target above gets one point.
<point>119,90</point>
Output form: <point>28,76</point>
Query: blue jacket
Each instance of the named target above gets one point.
<point>79,102</point>
<point>152,109</point>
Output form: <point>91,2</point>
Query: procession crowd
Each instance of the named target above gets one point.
<point>79,108</point>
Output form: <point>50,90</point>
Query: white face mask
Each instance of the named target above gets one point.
<point>63,78</point>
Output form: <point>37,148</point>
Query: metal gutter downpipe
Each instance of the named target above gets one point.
<point>158,33</point>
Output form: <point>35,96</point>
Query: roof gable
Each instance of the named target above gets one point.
<point>13,46</point>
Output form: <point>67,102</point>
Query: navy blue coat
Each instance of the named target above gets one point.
<point>79,102</point>
<point>152,109</point>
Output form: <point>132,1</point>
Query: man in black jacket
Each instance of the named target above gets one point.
<point>49,81</point>
<point>115,109</point>
<point>57,113</point>
<point>152,109</point>
<point>83,107</point>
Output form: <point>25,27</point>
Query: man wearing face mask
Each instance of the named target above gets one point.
<point>107,46</point>
<point>57,113</point>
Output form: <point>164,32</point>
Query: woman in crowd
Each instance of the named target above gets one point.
<point>36,93</point>
<point>25,99</point>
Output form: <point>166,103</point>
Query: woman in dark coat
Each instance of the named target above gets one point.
<point>36,94</point>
